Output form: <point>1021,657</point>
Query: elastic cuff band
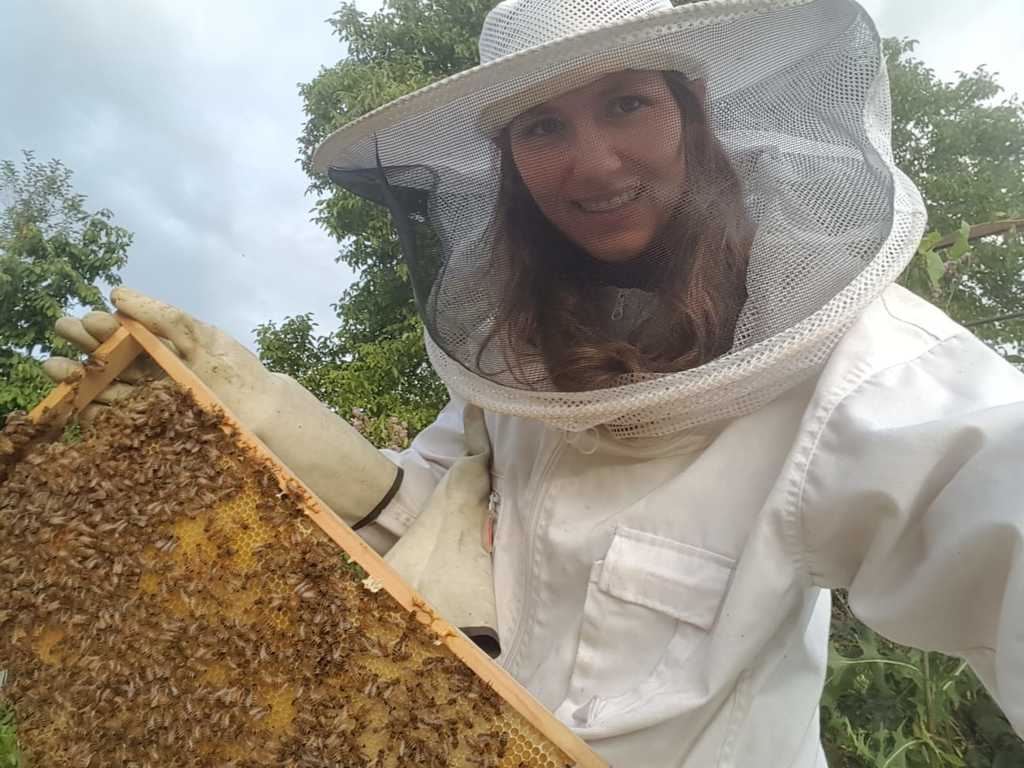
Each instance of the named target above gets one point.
<point>375,513</point>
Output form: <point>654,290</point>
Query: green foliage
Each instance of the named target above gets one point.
<point>22,382</point>
<point>53,252</point>
<point>405,46</point>
<point>888,706</point>
<point>375,362</point>
<point>965,152</point>
<point>380,383</point>
<point>10,756</point>
<point>927,273</point>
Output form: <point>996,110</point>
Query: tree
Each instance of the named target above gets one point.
<point>966,154</point>
<point>53,252</point>
<point>375,361</point>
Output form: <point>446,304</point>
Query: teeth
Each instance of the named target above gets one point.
<point>601,206</point>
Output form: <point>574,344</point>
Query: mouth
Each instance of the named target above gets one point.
<point>606,204</point>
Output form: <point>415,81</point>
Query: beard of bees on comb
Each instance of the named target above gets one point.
<point>168,603</point>
<point>18,435</point>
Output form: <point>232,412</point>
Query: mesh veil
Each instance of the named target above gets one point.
<point>711,279</point>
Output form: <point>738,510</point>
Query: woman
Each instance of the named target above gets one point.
<point>656,247</point>
<point>619,185</point>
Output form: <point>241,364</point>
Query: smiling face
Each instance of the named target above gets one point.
<point>605,162</point>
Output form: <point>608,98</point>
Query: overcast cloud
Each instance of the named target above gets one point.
<point>182,116</point>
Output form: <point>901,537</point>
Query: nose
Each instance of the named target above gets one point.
<point>594,154</point>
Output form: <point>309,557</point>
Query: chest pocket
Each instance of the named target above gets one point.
<point>650,605</point>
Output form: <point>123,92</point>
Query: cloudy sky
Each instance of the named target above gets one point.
<point>181,116</point>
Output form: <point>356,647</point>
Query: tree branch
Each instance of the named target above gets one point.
<point>979,231</point>
<point>996,319</point>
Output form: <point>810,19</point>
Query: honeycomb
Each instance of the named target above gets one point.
<point>166,603</point>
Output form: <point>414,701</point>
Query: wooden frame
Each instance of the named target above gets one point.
<point>115,354</point>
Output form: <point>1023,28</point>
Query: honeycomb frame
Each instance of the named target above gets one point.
<point>536,727</point>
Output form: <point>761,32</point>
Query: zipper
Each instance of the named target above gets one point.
<point>491,522</point>
<point>517,638</point>
<point>620,305</point>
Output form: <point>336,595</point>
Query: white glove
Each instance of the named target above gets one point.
<point>325,452</point>
<point>442,555</point>
<point>87,334</point>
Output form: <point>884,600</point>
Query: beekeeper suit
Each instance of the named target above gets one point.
<point>663,543</point>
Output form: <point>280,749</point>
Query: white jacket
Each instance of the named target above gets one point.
<point>668,598</point>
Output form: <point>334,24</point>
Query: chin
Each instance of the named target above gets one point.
<point>612,258</point>
<point>616,253</point>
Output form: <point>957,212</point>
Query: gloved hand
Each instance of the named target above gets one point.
<point>87,334</point>
<point>326,453</point>
<point>442,555</point>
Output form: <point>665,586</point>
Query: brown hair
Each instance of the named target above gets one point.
<point>550,302</point>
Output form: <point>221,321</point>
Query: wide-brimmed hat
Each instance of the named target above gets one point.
<point>797,99</point>
<point>533,50</point>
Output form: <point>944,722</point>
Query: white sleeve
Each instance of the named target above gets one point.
<point>913,499</point>
<point>423,464</point>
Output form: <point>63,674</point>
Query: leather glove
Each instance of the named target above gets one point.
<point>325,452</point>
<point>442,555</point>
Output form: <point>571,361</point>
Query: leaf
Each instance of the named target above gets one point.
<point>961,245</point>
<point>928,241</point>
<point>900,749</point>
<point>936,268</point>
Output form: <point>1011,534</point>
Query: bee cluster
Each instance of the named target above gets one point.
<point>166,603</point>
<point>17,436</point>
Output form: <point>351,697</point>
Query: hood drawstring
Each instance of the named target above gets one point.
<point>588,440</point>
<point>585,442</point>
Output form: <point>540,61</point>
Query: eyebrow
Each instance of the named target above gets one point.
<point>540,109</point>
<point>619,84</point>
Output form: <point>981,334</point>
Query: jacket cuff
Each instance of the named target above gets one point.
<point>377,510</point>
<point>399,515</point>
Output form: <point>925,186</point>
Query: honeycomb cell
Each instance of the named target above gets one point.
<point>281,703</point>
<point>46,645</point>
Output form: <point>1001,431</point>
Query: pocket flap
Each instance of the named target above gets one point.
<point>680,580</point>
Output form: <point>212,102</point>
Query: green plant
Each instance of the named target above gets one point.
<point>888,706</point>
<point>10,756</point>
<point>934,271</point>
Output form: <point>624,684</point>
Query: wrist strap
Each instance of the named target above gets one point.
<point>375,512</point>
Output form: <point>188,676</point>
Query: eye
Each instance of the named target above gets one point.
<point>622,105</point>
<point>541,127</point>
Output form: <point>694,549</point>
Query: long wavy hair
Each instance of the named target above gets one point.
<point>697,280</point>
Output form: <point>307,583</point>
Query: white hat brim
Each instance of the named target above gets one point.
<point>486,97</point>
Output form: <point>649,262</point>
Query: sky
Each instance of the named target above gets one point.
<point>182,117</point>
